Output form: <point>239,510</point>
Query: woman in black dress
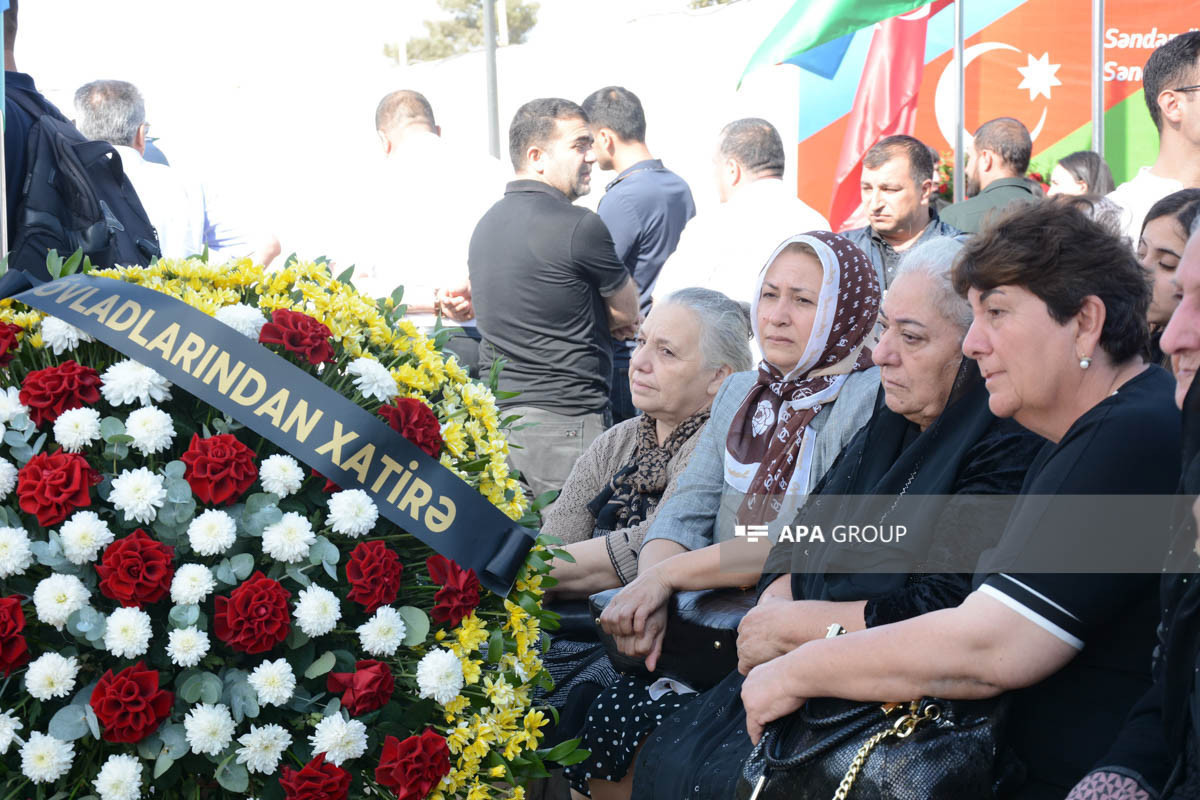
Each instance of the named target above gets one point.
<point>933,436</point>
<point>1059,306</point>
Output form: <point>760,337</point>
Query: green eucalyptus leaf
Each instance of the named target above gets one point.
<point>321,666</point>
<point>242,565</point>
<point>233,777</point>
<point>110,427</point>
<point>69,724</point>
<point>161,764</point>
<point>175,469</point>
<point>416,625</point>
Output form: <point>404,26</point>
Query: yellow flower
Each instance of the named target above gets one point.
<point>471,670</point>
<point>472,633</point>
<point>534,721</point>
<point>479,791</point>
<point>498,772</point>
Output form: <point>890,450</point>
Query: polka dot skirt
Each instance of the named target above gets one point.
<point>616,724</point>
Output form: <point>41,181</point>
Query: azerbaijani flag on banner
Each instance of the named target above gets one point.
<point>810,23</point>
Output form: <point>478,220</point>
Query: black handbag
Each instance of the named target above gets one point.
<point>928,749</point>
<point>700,645</point>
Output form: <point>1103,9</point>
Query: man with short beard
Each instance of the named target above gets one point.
<point>897,186</point>
<point>996,162</point>
<point>550,294</point>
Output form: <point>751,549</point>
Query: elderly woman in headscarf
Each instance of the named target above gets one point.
<point>771,435</point>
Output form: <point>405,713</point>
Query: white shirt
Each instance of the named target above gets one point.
<point>425,203</point>
<point>726,247</point>
<point>174,204</point>
<point>1135,198</point>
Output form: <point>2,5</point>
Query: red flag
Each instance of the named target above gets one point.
<point>886,104</point>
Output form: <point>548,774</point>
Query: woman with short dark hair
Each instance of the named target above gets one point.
<point>1059,325</point>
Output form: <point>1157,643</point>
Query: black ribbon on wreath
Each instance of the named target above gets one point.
<point>292,409</point>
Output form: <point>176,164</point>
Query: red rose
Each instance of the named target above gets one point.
<point>412,767</point>
<point>254,618</point>
<point>8,342</point>
<point>136,570</point>
<point>52,485</point>
<point>369,687</point>
<point>374,574</point>
<point>416,422</point>
<point>299,334</point>
<point>51,391</point>
<point>315,781</point>
<point>130,705</point>
<point>13,651</point>
<point>459,593</point>
<point>219,469</point>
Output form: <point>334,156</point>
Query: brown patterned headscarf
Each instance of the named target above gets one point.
<point>768,452</point>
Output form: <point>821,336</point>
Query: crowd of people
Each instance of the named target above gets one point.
<point>681,378</point>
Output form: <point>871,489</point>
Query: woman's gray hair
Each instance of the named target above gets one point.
<point>935,258</point>
<point>724,327</point>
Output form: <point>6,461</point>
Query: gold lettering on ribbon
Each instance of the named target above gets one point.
<point>240,396</point>
<point>101,309</point>
<point>334,445</point>
<point>132,308</point>
<point>193,345</point>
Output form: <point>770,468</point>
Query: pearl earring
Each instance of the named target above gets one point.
<point>1085,362</point>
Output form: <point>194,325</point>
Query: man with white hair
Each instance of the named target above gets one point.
<point>114,112</point>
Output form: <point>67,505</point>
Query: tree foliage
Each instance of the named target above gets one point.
<point>463,31</point>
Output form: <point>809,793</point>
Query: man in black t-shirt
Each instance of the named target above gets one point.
<point>550,293</point>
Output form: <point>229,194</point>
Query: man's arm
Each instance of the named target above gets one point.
<point>622,308</point>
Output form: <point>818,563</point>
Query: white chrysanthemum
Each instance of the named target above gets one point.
<point>372,379</point>
<point>352,513</point>
<point>339,739</point>
<point>56,597</point>
<point>11,405</point>
<point>51,675</point>
<point>317,610</point>
<point>127,633</point>
<point>83,536</point>
<point>45,759</point>
<point>273,682</point>
<point>76,428</point>
<point>191,584</point>
<point>139,494</point>
<point>246,320</point>
<point>61,336</point>
<point>289,539</point>
<point>129,382</point>
<point>15,555</point>
<point>281,475</point>
<point>209,728</point>
<point>212,532</point>
<point>440,676</point>
<point>187,646</point>
<point>9,725</point>
<point>262,747</point>
<point>151,428</point>
<point>120,778</point>
<point>383,633</point>
<point>8,476</point>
